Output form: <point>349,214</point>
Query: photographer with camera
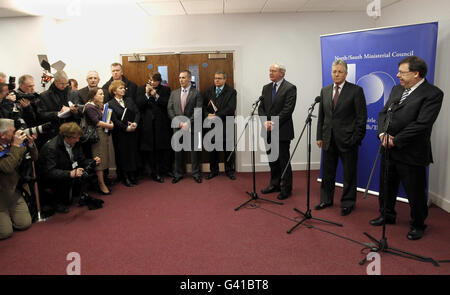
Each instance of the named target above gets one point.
<point>28,99</point>
<point>14,148</point>
<point>65,171</point>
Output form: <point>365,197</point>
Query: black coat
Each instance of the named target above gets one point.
<point>130,87</point>
<point>54,160</point>
<point>83,93</point>
<point>283,106</point>
<point>347,121</point>
<point>125,143</point>
<point>51,103</point>
<point>412,122</point>
<point>155,131</point>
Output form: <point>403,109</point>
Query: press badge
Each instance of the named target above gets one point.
<point>74,165</point>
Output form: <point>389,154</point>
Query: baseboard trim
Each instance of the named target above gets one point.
<point>439,201</point>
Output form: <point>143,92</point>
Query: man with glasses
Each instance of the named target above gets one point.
<point>413,106</point>
<point>58,105</point>
<point>220,102</point>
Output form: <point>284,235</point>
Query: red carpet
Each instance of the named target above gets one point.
<point>189,228</point>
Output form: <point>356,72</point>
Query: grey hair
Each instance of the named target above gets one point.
<point>92,72</point>
<point>5,124</point>
<point>60,75</point>
<point>281,67</point>
<point>340,62</point>
<point>2,75</point>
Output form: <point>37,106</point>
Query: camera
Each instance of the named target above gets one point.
<point>12,83</point>
<point>30,96</point>
<point>44,128</point>
<point>89,170</point>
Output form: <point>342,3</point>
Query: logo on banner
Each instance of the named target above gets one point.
<point>376,85</point>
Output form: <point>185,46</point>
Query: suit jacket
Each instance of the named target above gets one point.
<point>194,100</point>
<point>225,103</point>
<point>283,106</point>
<point>347,121</point>
<point>411,123</point>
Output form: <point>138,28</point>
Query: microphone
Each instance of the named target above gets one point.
<point>316,101</point>
<point>392,105</point>
<point>258,100</point>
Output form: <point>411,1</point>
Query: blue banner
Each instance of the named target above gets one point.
<point>372,57</point>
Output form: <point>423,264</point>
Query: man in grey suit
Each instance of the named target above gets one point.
<point>279,98</point>
<point>184,103</point>
<point>341,127</point>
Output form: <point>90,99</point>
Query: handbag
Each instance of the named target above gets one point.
<point>90,134</point>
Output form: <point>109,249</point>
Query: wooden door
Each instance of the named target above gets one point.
<point>202,65</point>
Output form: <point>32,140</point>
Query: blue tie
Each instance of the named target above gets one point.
<point>274,90</point>
<point>218,91</point>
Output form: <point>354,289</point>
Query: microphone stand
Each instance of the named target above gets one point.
<point>253,195</point>
<point>306,215</point>
<point>382,245</point>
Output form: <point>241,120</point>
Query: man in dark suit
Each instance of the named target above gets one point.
<point>413,106</point>
<point>92,79</point>
<point>220,102</point>
<point>117,74</point>
<point>152,99</point>
<point>341,126</point>
<point>279,98</point>
<point>184,105</point>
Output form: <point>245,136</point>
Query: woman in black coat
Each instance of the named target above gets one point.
<point>125,116</point>
<point>155,132</point>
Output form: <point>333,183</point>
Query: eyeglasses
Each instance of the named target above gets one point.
<point>403,73</point>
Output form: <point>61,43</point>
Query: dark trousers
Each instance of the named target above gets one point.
<point>214,158</point>
<point>277,168</point>
<point>330,160</point>
<point>180,163</point>
<point>414,180</point>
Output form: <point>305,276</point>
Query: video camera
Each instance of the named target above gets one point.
<point>89,171</point>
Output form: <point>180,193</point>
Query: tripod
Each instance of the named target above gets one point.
<point>307,215</point>
<point>382,245</point>
<point>253,195</point>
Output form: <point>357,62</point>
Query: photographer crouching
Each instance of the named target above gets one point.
<point>14,147</point>
<point>64,170</point>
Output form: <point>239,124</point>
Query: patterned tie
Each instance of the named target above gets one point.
<point>274,90</point>
<point>218,90</point>
<point>405,95</point>
<point>183,99</point>
<point>336,96</point>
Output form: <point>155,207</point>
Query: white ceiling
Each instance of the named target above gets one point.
<point>11,8</point>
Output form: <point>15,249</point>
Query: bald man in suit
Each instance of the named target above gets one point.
<point>185,101</point>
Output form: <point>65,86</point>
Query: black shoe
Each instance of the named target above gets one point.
<point>283,196</point>
<point>323,205</point>
<point>127,182</point>
<point>415,233</point>
<point>176,179</point>
<point>379,221</point>
<point>198,179</point>
<point>231,176</point>
<point>60,208</point>
<point>169,174</point>
<point>271,189</point>
<point>211,175</point>
<point>158,178</point>
<point>347,210</point>
<point>134,180</point>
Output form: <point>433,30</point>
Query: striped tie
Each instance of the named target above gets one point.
<point>405,95</point>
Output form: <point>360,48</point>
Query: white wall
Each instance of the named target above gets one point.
<point>257,40</point>
<point>417,11</point>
